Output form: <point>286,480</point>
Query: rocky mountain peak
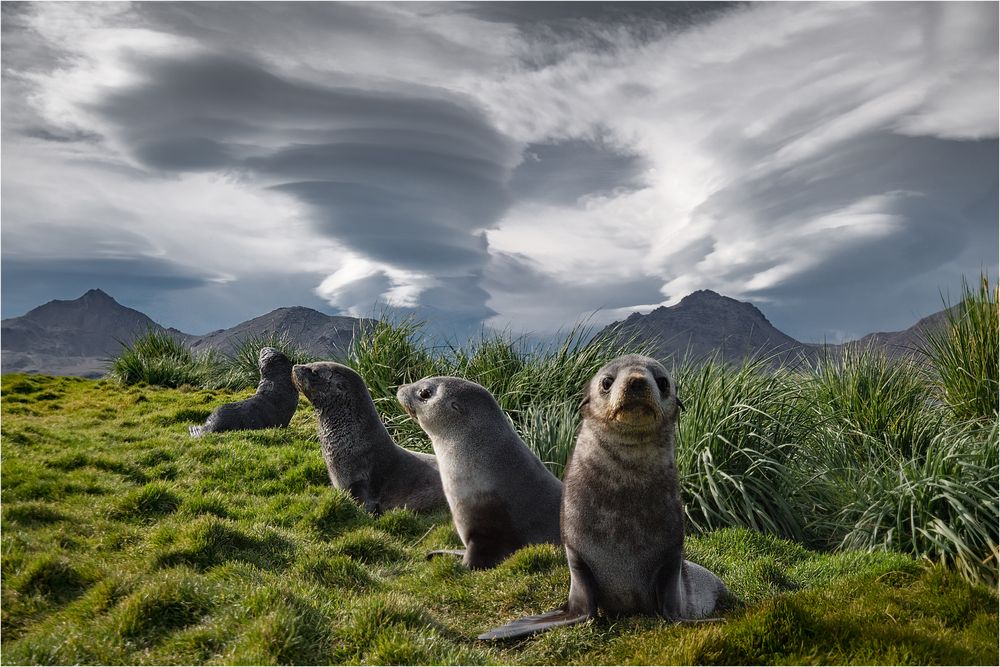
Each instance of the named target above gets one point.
<point>705,323</point>
<point>96,295</point>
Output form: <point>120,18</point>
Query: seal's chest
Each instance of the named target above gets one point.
<point>625,575</point>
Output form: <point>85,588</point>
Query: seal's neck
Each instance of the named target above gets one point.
<point>628,447</point>
<point>355,428</point>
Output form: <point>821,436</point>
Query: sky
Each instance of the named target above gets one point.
<point>521,166</point>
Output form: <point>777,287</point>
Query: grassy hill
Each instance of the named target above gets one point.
<point>853,508</point>
<point>124,541</point>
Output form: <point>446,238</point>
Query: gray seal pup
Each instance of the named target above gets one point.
<point>273,405</point>
<point>500,494</point>
<point>622,519</point>
<point>361,457</point>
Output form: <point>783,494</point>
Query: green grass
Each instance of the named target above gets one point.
<point>966,353</point>
<point>239,369</point>
<point>126,542</point>
<point>157,358</point>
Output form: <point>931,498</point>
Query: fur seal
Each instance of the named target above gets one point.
<point>360,455</point>
<point>272,405</point>
<point>501,495</point>
<point>622,519</point>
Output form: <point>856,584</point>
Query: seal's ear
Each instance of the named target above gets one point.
<point>457,408</point>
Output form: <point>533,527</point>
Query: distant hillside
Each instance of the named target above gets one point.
<point>78,337</point>
<point>907,342</point>
<point>70,337</point>
<point>326,336</point>
<point>705,323</point>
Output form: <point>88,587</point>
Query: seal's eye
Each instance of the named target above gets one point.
<point>425,393</point>
<point>607,382</point>
<point>663,385</point>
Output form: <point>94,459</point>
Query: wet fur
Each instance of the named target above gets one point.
<point>273,404</point>
<point>360,455</point>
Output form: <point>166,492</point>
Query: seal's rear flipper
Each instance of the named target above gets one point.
<point>195,431</point>
<point>449,552</point>
<point>523,627</point>
<point>582,605</point>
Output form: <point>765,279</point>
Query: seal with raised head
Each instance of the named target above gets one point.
<point>501,495</point>
<point>361,457</point>
<point>271,406</point>
<point>622,519</point>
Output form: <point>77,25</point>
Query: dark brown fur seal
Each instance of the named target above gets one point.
<point>360,455</point>
<point>622,519</point>
<point>501,495</point>
<point>272,406</point>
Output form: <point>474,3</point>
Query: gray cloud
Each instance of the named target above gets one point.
<point>30,282</point>
<point>561,173</point>
<point>932,216</point>
<point>553,31</point>
<point>523,290</point>
<point>410,178</point>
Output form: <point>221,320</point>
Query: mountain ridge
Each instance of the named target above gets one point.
<point>79,336</point>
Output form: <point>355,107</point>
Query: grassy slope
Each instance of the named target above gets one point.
<point>126,542</point>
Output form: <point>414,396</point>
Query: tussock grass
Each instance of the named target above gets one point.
<point>239,368</point>
<point>965,354</point>
<point>739,438</point>
<point>157,358</point>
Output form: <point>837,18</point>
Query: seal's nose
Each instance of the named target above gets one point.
<point>635,383</point>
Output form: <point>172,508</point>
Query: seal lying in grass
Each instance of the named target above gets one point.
<point>622,519</point>
<point>272,405</point>
<point>360,455</point>
<point>501,496</point>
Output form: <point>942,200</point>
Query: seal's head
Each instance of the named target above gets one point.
<point>330,386</point>
<point>273,363</point>
<point>446,406</point>
<point>632,394</point>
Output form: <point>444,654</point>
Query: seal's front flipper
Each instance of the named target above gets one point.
<point>449,552</point>
<point>581,606</point>
<point>195,431</point>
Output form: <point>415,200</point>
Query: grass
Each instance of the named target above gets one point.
<point>126,543</point>
<point>239,369</point>
<point>157,358</point>
<point>966,353</point>
<point>852,507</point>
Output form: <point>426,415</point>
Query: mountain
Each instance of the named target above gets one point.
<point>78,337</point>
<point>70,337</point>
<point>320,335</point>
<point>704,323</point>
<point>904,343</point>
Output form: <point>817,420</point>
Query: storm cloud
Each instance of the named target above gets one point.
<point>399,177</point>
<point>526,165</point>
